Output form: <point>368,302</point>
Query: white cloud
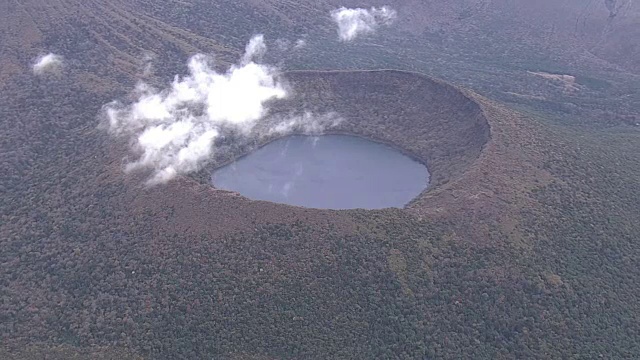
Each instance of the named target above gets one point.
<point>255,50</point>
<point>300,43</point>
<point>47,63</point>
<point>285,45</point>
<point>147,60</point>
<point>173,131</point>
<point>306,123</point>
<point>355,22</point>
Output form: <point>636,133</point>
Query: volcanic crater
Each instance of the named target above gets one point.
<point>428,120</point>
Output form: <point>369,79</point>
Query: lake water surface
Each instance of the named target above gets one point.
<point>329,171</point>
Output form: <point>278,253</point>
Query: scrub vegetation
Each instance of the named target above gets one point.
<point>526,246</point>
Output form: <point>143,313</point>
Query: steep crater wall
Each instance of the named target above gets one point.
<point>431,121</point>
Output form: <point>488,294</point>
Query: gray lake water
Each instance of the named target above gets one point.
<point>329,172</point>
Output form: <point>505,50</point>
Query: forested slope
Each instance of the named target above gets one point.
<point>527,251</point>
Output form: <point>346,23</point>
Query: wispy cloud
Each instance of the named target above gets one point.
<point>356,22</point>
<point>174,130</point>
<point>300,43</point>
<point>306,123</point>
<point>47,63</point>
